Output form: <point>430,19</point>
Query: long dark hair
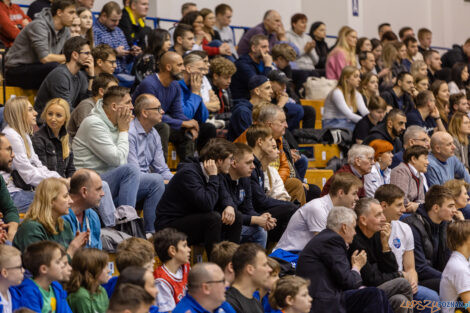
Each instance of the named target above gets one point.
<point>155,43</point>
<point>456,72</point>
<point>190,17</point>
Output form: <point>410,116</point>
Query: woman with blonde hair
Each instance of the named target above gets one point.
<point>420,83</point>
<point>419,67</point>
<point>344,105</point>
<point>344,54</point>
<point>51,142</point>
<point>459,128</point>
<point>44,218</point>
<point>28,171</point>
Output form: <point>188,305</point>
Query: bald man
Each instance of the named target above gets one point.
<point>443,164</point>
<point>271,27</point>
<point>165,88</point>
<point>206,290</point>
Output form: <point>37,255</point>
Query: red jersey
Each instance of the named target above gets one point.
<point>177,286</point>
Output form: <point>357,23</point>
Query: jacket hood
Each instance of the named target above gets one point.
<point>99,112</point>
<point>188,162</point>
<point>381,129</point>
<point>242,102</point>
<point>46,15</point>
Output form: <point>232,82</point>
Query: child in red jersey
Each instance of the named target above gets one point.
<point>172,277</point>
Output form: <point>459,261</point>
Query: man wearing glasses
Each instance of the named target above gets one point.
<point>414,136</point>
<point>71,81</point>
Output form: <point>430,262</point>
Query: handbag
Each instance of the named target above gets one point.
<point>318,88</point>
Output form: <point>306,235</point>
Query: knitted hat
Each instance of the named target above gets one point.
<point>380,146</point>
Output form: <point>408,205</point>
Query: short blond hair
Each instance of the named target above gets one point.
<point>283,50</point>
<point>134,252</point>
<point>6,253</point>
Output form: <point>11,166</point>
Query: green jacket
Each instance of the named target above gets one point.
<point>31,231</point>
<point>7,207</point>
<point>82,301</point>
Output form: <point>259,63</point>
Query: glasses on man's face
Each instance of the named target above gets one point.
<point>85,52</point>
<point>19,267</point>
<point>159,109</point>
<point>113,62</point>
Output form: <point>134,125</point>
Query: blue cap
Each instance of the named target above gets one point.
<point>256,81</point>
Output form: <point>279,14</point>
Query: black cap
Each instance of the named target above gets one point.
<point>278,76</point>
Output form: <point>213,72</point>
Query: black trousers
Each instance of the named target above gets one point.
<point>28,76</point>
<point>366,300</point>
<point>184,144</point>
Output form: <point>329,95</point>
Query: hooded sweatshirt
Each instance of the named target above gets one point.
<point>37,40</point>
<point>380,132</point>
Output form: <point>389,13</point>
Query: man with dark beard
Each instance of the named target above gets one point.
<point>391,130</point>
<point>71,81</point>
<point>8,210</point>
<point>164,87</point>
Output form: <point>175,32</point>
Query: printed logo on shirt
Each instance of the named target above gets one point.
<point>241,195</point>
<point>397,243</point>
<point>260,181</point>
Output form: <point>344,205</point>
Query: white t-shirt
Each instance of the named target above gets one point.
<point>455,279</point>
<point>6,303</point>
<point>308,219</point>
<point>400,241</point>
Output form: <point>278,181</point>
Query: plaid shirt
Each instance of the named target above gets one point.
<point>113,38</point>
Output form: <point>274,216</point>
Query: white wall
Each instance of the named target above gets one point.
<point>448,19</point>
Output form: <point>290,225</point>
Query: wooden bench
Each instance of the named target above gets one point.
<point>172,158</point>
<point>12,91</point>
<point>318,106</point>
<point>319,154</point>
<point>318,177</point>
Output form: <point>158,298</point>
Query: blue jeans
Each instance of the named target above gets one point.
<point>425,294</point>
<point>339,123</point>
<point>150,191</point>
<point>255,234</point>
<point>301,166</point>
<point>22,200</point>
<point>107,208</point>
<point>123,183</point>
<point>295,113</point>
<point>125,80</point>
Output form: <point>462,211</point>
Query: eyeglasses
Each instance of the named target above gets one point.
<point>86,52</point>
<point>113,62</point>
<point>222,281</point>
<point>19,267</point>
<point>159,109</point>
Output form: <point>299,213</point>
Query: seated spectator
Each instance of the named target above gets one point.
<point>421,84</point>
<point>68,81</point>
<point>12,273</point>
<point>409,176</point>
<point>324,260</point>
<point>260,93</point>
<point>171,278</point>
<point>37,49</point>
<point>283,54</point>
<point>363,45</point>
<point>429,224</point>
<point>377,108</point>
<point>440,89</point>
<point>419,68</point>
<point>42,291</point>
<point>263,293</point>
<point>75,28</point>
<point>237,184</point>
<point>318,34</point>
<point>454,280</point>
<point>458,103</point>
<point>28,169</point>
<point>104,58</point>
<point>222,255</point>
<point>106,30</point>
<point>252,272</point>
<point>342,55</point>
<point>51,142</point>
<point>307,57</point>
<point>257,61</point>
<point>199,294</point>
<point>223,17</point>
<point>145,147</point>
<point>380,172</point>
<point>443,164</point>
<point>457,54</point>
<point>366,62</point>
<point>344,106</point>
<point>459,190</point>
<point>459,128</point>
<point>147,64</point>
<point>390,130</point>
<point>133,26</point>
<point>401,240</point>
<point>13,21</point>
<point>360,162</point>
<point>86,24</point>
<point>8,210</point>
<point>459,78</point>
<point>130,298</point>
<point>89,271</point>
<point>37,7</point>
<point>433,61</point>
<point>99,87</point>
<point>221,71</point>
<point>413,136</point>
<point>86,191</point>
<point>369,87</point>
<point>212,42</point>
<point>102,144</point>
<point>399,97</point>
<point>424,38</point>
<point>412,52</point>
<point>426,114</point>
<point>44,221</point>
<point>195,213</point>
<point>311,218</point>
<point>290,294</point>
<point>381,268</point>
<point>271,27</point>
<point>377,50</point>
<point>383,28</point>
<point>183,39</point>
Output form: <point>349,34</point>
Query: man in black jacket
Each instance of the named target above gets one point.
<point>399,96</point>
<point>457,54</point>
<point>429,226</point>
<point>390,130</point>
<point>381,269</point>
<point>132,23</point>
<point>324,261</point>
<point>191,198</point>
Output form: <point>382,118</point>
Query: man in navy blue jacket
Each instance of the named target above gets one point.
<point>191,198</point>
<point>257,62</point>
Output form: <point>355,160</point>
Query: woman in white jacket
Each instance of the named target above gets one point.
<point>380,172</point>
